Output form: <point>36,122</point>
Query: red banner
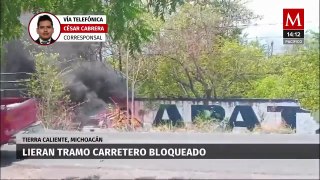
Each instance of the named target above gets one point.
<point>84,28</point>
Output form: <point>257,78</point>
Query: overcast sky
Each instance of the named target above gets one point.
<point>270,28</point>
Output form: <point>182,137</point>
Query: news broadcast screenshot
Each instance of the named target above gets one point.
<point>159,89</point>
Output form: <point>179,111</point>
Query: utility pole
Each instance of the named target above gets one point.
<point>127,82</point>
<point>271,53</point>
<point>270,50</point>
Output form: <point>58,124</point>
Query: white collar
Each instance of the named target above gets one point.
<point>45,42</point>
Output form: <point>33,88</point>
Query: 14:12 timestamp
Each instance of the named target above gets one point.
<point>293,33</point>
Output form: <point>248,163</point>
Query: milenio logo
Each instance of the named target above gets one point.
<point>293,26</point>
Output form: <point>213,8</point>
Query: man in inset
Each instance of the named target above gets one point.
<point>45,30</point>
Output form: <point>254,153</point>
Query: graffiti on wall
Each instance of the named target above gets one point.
<point>249,117</point>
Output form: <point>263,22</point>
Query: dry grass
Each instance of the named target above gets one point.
<point>201,125</point>
<point>197,126</point>
<point>59,117</point>
<point>273,129</point>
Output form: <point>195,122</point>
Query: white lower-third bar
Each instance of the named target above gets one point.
<point>82,37</point>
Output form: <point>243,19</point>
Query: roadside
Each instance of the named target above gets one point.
<point>27,172</point>
<point>166,169</point>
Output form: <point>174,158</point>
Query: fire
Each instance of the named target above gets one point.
<point>118,119</point>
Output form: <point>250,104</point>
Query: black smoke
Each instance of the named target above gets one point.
<point>95,77</point>
<point>97,85</point>
<point>91,83</point>
<point>17,59</point>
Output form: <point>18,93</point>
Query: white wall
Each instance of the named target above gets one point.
<point>305,123</point>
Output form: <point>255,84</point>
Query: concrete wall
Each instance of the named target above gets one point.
<point>240,113</point>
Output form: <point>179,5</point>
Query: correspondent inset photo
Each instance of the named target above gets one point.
<point>44,28</point>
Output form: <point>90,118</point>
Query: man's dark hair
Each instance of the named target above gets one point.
<point>45,18</point>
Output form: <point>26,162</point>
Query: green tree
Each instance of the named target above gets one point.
<point>219,74</point>
<point>294,74</point>
<point>195,53</point>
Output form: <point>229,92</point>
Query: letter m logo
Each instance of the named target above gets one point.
<point>293,19</point>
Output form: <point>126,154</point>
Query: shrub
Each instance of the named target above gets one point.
<point>47,87</point>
